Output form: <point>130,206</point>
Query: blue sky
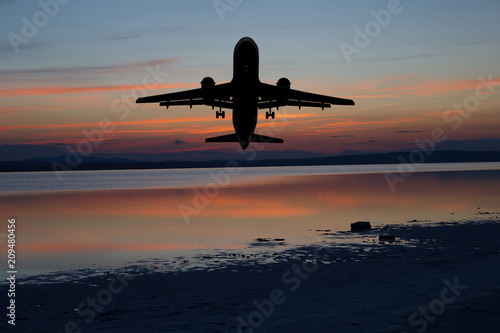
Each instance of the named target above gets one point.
<point>434,44</point>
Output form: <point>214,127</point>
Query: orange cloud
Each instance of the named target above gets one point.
<point>56,90</point>
<point>373,96</point>
<point>53,127</point>
<point>412,85</point>
<point>357,125</point>
<point>435,87</point>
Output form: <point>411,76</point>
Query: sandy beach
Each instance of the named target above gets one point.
<point>475,315</point>
<point>432,278</point>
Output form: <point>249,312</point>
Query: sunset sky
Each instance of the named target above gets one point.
<point>67,67</point>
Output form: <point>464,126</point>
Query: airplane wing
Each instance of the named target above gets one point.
<point>274,96</point>
<point>219,95</point>
<point>298,95</point>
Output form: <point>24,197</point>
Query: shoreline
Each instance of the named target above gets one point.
<point>369,287</point>
<point>103,163</point>
<point>21,183</point>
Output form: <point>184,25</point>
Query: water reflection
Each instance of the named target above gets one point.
<point>64,229</point>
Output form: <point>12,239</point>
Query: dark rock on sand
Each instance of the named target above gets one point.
<point>360,226</point>
<point>386,237</point>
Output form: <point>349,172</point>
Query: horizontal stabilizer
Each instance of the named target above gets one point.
<point>223,138</point>
<point>234,138</point>
<point>265,139</point>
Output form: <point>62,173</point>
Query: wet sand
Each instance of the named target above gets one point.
<point>451,271</point>
<point>479,314</point>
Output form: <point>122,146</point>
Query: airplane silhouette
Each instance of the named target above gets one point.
<point>245,95</point>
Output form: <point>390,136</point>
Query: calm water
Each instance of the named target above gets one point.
<point>102,218</point>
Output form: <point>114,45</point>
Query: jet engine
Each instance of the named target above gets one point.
<point>283,83</point>
<point>206,90</point>
<point>207,82</point>
<point>284,86</point>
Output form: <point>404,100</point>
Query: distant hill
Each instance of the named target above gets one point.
<point>99,163</point>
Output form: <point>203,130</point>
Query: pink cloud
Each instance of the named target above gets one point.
<point>56,90</point>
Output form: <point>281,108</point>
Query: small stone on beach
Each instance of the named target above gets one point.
<point>360,226</point>
<point>386,237</point>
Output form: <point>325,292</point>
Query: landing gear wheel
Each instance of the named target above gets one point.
<point>270,114</point>
<point>221,114</point>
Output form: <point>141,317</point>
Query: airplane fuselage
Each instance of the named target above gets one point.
<point>245,85</point>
